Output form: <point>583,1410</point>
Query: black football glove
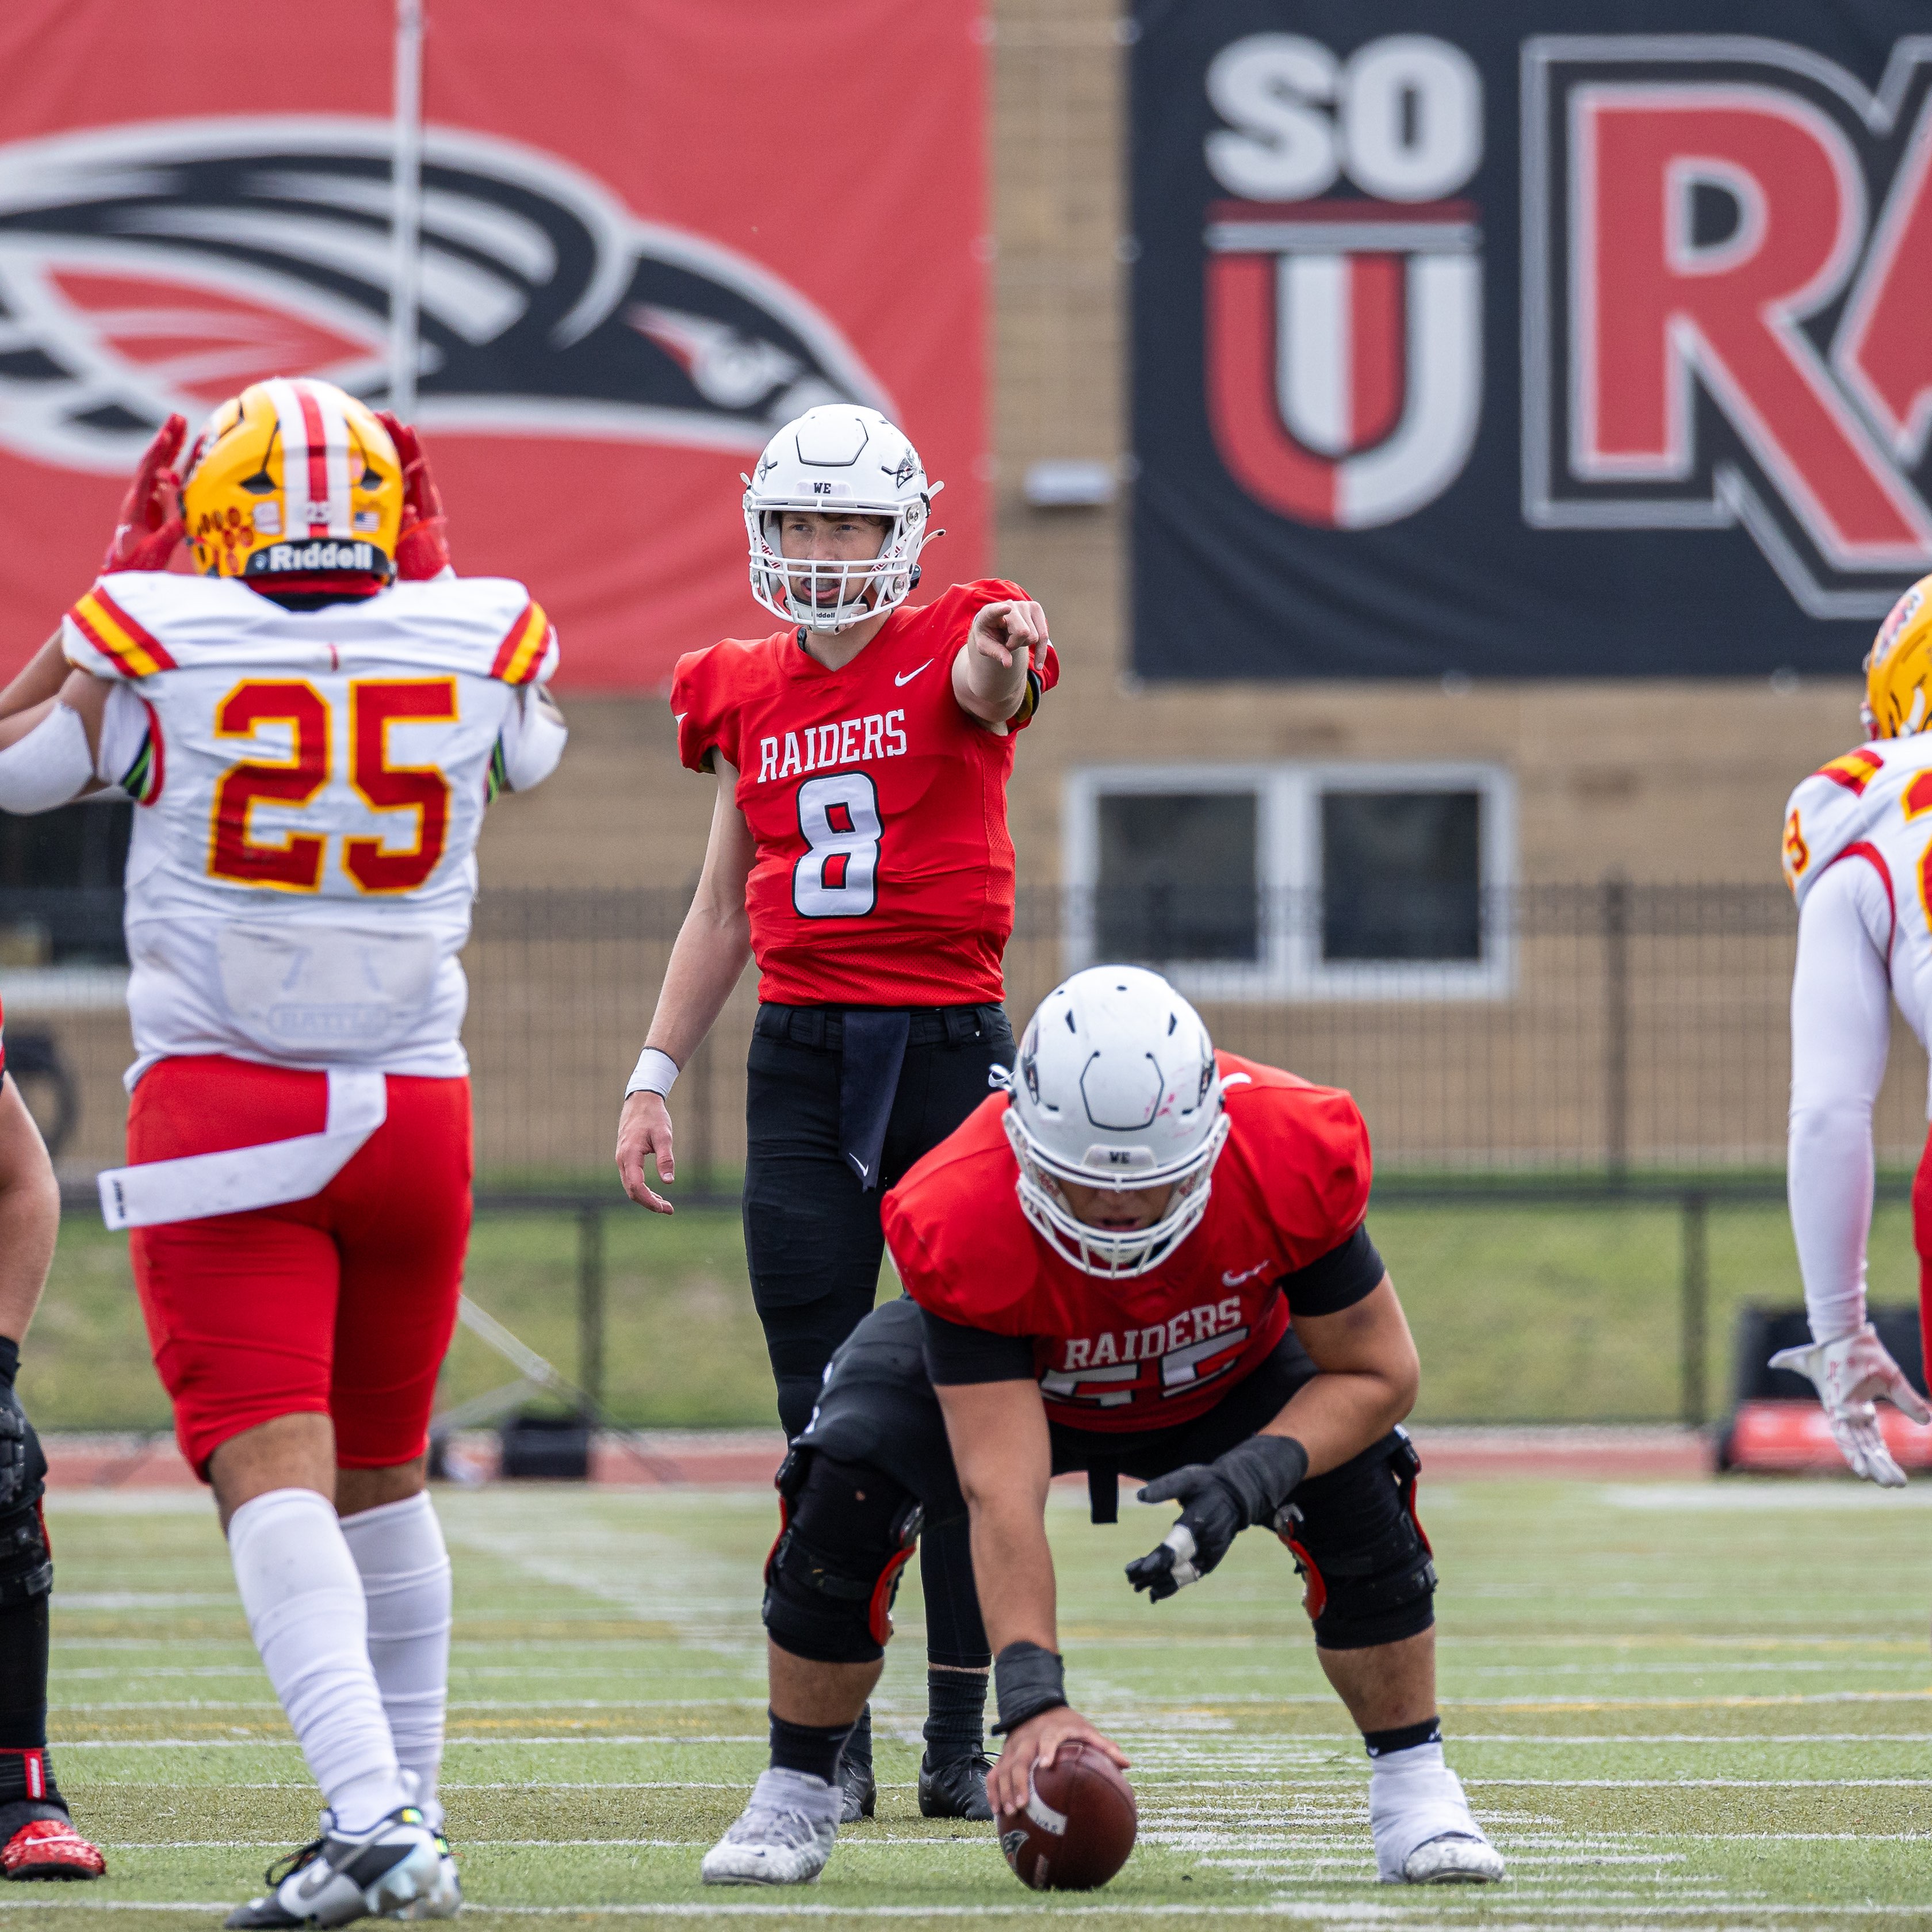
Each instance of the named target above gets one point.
<point>13,1429</point>
<point>1219,1499</point>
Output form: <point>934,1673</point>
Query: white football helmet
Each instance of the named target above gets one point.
<point>838,457</point>
<point>1117,1087</point>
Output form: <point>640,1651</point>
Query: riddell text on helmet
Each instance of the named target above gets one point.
<point>329,555</point>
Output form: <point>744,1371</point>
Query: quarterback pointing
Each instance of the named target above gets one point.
<point>1145,1258</point>
<point>858,849</point>
<point>311,744</point>
<point>1855,849</point>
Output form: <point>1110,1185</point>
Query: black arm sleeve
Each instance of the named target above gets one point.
<point>956,1354</point>
<point>1331,1283</point>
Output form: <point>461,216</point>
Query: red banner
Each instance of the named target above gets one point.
<point>652,231</point>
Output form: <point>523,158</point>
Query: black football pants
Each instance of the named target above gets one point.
<point>812,1236</point>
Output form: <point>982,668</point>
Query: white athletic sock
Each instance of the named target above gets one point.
<point>399,1548</point>
<point>1418,1761</point>
<point>304,1603</point>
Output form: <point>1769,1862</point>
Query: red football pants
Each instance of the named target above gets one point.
<point>341,1305</point>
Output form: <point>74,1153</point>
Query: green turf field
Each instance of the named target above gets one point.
<point>1696,1706</point>
<point>1536,1313</point>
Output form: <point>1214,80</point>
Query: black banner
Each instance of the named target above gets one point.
<point>1533,339</point>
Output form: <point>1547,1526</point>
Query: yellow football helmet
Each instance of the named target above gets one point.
<point>1898,668</point>
<point>293,478</point>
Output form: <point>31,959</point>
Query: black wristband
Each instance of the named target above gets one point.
<point>1027,1680</point>
<point>10,1359</point>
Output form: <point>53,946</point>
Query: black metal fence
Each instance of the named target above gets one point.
<point>1612,1055</point>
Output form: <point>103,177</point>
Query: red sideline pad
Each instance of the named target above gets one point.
<point>1790,1436</point>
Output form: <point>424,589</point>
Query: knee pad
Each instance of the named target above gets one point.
<point>1367,1569</point>
<point>845,1533</point>
<point>26,1557</point>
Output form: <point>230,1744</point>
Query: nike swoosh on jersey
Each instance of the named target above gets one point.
<point>1248,1274</point>
<point>906,676</point>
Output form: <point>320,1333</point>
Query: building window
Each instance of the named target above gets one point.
<point>1177,876</point>
<point>1296,881</point>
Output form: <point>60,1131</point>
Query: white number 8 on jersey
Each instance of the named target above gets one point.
<point>838,818</point>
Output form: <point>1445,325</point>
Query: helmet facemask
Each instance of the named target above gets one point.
<point>1117,1089</point>
<point>862,587</point>
<point>837,460</point>
<point>1113,1254</point>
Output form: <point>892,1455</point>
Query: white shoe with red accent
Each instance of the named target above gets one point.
<point>50,1848</point>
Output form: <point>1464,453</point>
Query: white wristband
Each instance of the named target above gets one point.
<point>656,1073</point>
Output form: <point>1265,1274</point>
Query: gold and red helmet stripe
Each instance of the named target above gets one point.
<point>315,439</point>
<point>521,654</point>
<point>116,634</point>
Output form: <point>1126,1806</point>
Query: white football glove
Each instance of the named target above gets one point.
<point>1850,1375</point>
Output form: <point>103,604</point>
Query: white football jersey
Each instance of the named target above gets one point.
<point>1874,806</point>
<point>310,787</point>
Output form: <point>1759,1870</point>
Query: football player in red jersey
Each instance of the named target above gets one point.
<point>859,849</point>
<point>1146,1258</point>
<point>37,1839</point>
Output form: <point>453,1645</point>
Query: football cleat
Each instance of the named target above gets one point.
<point>50,1848</point>
<point>783,1836</point>
<point>397,1869</point>
<point>448,1895</point>
<point>855,1772</point>
<point>955,1788</point>
<point>1453,1859</point>
<point>1425,1833</point>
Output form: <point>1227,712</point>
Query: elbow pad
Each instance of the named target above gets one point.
<point>50,766</point>
<point>535,748</point>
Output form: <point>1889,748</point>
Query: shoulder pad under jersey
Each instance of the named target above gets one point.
<point>489,626</point>
<point>1307,1147</point>
<point>708,688</point>
<point>1841,802</point>
<point>139,623</point>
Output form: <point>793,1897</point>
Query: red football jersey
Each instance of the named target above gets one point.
<point>883,875</point>
<point>1292,1185</point>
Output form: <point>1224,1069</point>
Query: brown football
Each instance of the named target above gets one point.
<point>1078,1827</point>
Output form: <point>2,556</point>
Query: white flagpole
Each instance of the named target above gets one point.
<point>406,218</point>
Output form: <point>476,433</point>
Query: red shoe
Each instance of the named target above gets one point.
<point>50,1848</point>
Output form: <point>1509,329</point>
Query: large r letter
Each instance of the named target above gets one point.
<point>1652,308</point>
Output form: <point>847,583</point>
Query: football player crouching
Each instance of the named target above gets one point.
<point>1144,1258</point>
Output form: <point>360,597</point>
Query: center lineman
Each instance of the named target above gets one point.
<point>859,849</point>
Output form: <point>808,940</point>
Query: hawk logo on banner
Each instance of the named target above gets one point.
<point>1343,332</point>
<point>1727,275</point>
<point>164,266</point>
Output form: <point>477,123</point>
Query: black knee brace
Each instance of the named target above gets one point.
<point>845,1532</point>
<point>1365,1562</point>
<point>26,1557</point>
